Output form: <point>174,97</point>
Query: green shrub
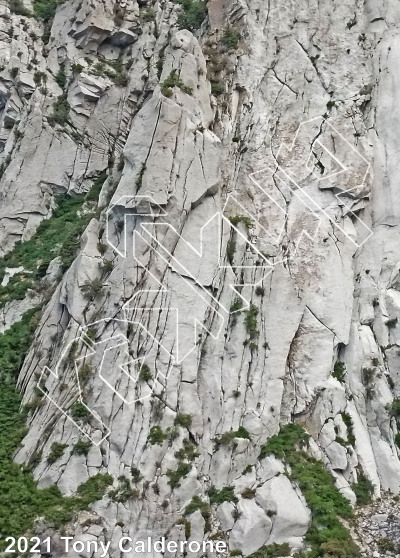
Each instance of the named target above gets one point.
<point>348,421</point>
<point>193,14</point>
<point>56,451</point>
<point>81,447</point>
<point>114,70</point>
<point>60,114</point>
<point>21,501</point>
<point>236,305</point>
<point>45,9</point>
<point>363,489</point>
<point>385,545</point>
<point>217,86</point>
<point>156,436</point>
<point>395,408</point>
<point>336,548</point>
<point>94,192</point>
<point>339,371</point>
<point>183,420</point>
<point>145,374</point>
<point>147,15</point>
<point>231,38</point>
<point>79,411</point>
<point>136,474</point>
<point>250,321</point>
<point>316,484</point>
<point>173,80</point>
<point>282,444</point>
<point>226,494</point>
<point>61,77</point>
<point>273,550</point>
<point>176,475</point>
<point>248,223</point>
<point>188,452</point>
<point>198,504</point>
<point>124,490</point>
<point>93,289</point>
<point>227,438</point>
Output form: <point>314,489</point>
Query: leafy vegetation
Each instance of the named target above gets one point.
<point>145,374</point>
<point>188,451</point>
<point>363,489</point>
<point>81,447</point>
<point>60,114</point>
<point>156,436</point>
<point>45,9</point>
<point>124,490</point>
<point>339,371</point>
<point>250,321</point>
<point>61,77</point>
<point>394,409</point>
<point>179,473</point>
<point>56,451</point>
<point>337,548</point>
<point>79,411</point>
<point>248,223</point>
<point>21,500</point>
<point>173,80</point>
<point>327,504</point>
<point>113,69</point>
<point>226,494</point>
<point>92,289</point>
<point>385,545</point>
<point>57,236</point>
<point>231,38</point>
<point>227,438</point>
<point>198,504</point>
<point>348,421</point>
<point>183,420</point>
<point>236,305</point>
<point>273,550</point>
<point>193,14</point>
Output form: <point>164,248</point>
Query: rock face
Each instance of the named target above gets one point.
<point>241,267</point>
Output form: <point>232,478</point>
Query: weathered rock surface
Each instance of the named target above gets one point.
<point>194,153</point>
